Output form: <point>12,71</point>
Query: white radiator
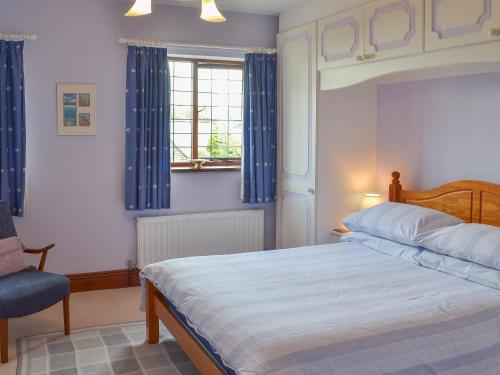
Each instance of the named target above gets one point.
<point>180,236</point>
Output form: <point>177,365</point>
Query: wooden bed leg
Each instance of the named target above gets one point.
<point>4,340</point>
<point>67,324</point>
<point>152,320</point>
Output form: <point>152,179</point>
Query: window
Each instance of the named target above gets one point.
<point>206,113</point>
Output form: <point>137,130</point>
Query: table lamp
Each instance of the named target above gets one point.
<point>371,200</point>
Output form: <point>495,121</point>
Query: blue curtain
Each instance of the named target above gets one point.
<point>12,126</point>
<point>147,169</point>
<point>259,128</point>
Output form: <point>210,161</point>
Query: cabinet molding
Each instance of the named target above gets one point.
<point>458,23</point>
<point>351,21</point>
<point>403,5</point>
<point>444,32</point>
<point>393,28</point>
<point>341,39</point>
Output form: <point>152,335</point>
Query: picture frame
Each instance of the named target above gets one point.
<point>76,109</point>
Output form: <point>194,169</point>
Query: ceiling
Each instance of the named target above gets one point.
<point>252,6</point>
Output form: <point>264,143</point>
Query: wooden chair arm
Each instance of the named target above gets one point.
<point>42,251</point>
<point>39,251</point>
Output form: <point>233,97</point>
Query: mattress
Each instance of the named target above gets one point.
<point>340,309</point>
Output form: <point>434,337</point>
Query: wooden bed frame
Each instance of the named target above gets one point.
<point>156,310</point>
<point>471,201</point>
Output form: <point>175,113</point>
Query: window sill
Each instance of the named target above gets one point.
<point>235,168</point>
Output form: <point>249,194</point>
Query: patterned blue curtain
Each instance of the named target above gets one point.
<point>147,174</point>
<point>259,129</point>
<point>12,126</point>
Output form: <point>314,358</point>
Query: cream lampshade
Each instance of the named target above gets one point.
<point>371,200</point>
<point>210,13</point>
<point>140,8</point>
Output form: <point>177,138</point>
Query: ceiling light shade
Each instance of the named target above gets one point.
<point>210,13</point>
<point>140,8</point>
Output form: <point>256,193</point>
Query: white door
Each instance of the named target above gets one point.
<point>393,28</point>
<point>296,206</point>
<point>341,39</point>
<point>452,23</point>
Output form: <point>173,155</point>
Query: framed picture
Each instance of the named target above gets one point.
<point>76,109</point>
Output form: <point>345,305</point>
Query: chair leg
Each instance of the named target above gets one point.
<point>4,340</point>
<point>67,323</point>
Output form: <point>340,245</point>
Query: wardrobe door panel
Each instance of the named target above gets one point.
<point>393,28</point>
<point>297,80</point>
<point>340,39</point>
<point>453,23</point>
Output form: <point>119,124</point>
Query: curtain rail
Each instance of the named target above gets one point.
<point>17,37</point>
<point>164,44</point>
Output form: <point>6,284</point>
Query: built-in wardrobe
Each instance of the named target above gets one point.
<point>381,41</point>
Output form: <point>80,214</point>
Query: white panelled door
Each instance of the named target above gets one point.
<point>296,206</point>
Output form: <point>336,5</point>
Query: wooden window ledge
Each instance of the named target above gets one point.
<point>234,168</point>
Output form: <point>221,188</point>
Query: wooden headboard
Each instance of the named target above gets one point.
<point>471,201</point>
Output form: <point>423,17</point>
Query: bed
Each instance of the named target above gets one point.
<point>333,309</point>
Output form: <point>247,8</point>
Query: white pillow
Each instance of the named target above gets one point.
<point>398,222</point>
<point>477,243</point>
<point>395,249</point>
<point>464,269</point>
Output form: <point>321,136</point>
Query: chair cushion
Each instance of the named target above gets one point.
<point>28,292</point>
<point>11,256</point>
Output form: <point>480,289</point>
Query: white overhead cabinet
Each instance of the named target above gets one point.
<point>341,39</point>
<point>379,30</point>
<point>427,38</point>
<point>393,28</point>
<point>453,23</point>
<point>297,82</point>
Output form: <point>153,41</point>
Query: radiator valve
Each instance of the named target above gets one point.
<point>132,265</point>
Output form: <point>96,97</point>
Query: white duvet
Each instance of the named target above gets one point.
<point>340,309</point>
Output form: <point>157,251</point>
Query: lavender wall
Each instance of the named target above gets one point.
<point>346,153</point>
<point>438,131</point>
<point>75,184</point>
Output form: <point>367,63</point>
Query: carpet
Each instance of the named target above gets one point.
<point>107,350</point>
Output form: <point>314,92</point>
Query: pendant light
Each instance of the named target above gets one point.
<point>140,8</point>
<point>210,13</point>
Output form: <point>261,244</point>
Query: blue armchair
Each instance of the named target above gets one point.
<point>29,291</point>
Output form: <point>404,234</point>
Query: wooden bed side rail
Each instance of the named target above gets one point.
<point>472,201</point>
<point>156,310</point>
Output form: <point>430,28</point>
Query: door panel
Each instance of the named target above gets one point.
<point>295,84</point>
<point>452,23</point>
<point>295,208</point>
<point>340,39</point>
<point>297,76</point>
<point>393,28</point>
